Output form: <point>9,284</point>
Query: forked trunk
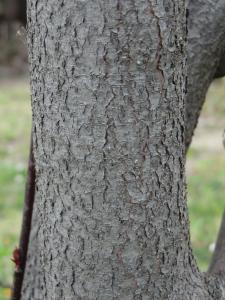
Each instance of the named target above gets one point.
<point>110,217</point>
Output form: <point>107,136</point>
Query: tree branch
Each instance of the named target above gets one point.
<point>220,72</point>
<point>206,61</point>
<point>206,46</point>
<point>217,264</point>
<point>26,225</point>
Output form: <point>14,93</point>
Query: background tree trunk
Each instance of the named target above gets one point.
<point>110,216</point>
<point>11,10</point>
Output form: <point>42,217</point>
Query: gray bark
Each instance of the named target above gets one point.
<point>110,214</point>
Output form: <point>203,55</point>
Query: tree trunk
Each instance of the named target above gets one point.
<point>110,217</point>
<point>13,10</point>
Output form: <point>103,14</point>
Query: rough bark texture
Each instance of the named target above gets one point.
<point>110,216</point>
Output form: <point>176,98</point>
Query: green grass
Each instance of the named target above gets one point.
<point>206,175</point>
<point>206,195</point>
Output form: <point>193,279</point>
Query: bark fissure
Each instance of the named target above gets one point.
<point>160,46</point>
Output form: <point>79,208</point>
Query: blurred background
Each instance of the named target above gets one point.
<point>205,162</point>
<point>15,127</point>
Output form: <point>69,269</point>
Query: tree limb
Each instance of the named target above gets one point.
<point>220,72</point>
<point>217,264</point>
<point>206,46</point>
<point>206,61</point>
<point>26,226</point>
